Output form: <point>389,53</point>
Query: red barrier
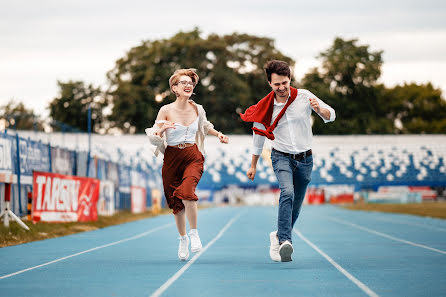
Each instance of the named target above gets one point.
<point>342,198</point>
<point>7,192</point>
<point>64,198</point>
<point>30,205</point>
<point>426,192</point>
<point>315,196</point>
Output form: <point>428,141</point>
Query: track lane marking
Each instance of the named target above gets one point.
<point>357,282</point>
<point>387,236</point>
<point>172,279</point>
<point>412,224</point>
<point>87,251</point>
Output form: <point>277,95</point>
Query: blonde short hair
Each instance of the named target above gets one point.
<point>175,78</point>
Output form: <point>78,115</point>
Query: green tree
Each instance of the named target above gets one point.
<point>70,109</point>
<point>418,108</point>
<point>16,115</point>
<point>347,81</point>
<point>230,69</point>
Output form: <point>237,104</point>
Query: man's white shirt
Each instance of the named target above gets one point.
<point>293,133</point>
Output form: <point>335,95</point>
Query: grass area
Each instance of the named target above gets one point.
<point>17,235</point>
<point>435,209</point>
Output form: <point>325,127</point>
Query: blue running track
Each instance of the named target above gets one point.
<point>337,252</point>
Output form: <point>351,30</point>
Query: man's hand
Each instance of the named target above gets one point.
<point>315,105</point>
<point>251,173</point>
<point>323,112</point>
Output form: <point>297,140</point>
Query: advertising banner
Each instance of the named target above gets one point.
<point>6,171</point>
<point>113,172</point>
<point>106,203</point>
<point>63,198</point>
<point>33,156</point>
<point>5,154</point>
<point>139,199</point>
<point>81,163</point>
<point>101,169</point>
<point>124,178</point>
<point>156,201</point>
<point>63,161</point>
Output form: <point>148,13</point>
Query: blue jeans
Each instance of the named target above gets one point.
<point>293,177</point>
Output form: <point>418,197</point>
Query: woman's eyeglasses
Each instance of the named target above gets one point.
<point>186,83</point>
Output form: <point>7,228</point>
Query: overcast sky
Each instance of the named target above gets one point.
<point>45,41</point>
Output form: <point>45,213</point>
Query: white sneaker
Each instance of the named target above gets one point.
<point>274,247</point>
<point>285,251</point>
<point>195,242</point>
<point>183,249</point>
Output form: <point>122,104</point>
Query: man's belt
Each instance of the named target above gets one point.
<point>297,157</point>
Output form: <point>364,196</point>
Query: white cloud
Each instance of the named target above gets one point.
<point>420,72</point>
<point>409,46</point>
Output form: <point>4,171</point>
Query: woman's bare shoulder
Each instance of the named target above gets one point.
<point>164,111</point>
<point>165,108</point>
<point>195,106</point>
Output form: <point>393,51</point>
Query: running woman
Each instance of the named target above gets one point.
<point>178,133</point>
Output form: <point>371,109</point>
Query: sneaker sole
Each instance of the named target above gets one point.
<point>273,241</point>
<point>274,258</point>
<point>185,258</point>
<point>196,250</point>
<point>285,253</point>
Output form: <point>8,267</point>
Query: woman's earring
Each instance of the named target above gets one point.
<point>176,94</point>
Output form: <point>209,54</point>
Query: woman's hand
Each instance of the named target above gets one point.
<point>166,125</point>
<point>223,138</point>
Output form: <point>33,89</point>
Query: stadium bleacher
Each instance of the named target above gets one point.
<point>365,162</point>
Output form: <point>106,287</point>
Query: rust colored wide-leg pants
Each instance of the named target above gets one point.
<point>182,170</point>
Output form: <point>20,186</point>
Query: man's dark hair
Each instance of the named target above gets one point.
<point>277,67</point>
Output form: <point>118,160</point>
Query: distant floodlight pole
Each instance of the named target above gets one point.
<point>89,140</point>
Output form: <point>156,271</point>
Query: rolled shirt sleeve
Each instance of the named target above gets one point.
<point>330,109</point>
<point>323,105</point>
<point>258,140</point>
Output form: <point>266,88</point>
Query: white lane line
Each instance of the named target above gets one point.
<point>171,280</point>
<point>387,236</point>
<point>89,250</point>
<point>357,282</point>
<point>412,224</point>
